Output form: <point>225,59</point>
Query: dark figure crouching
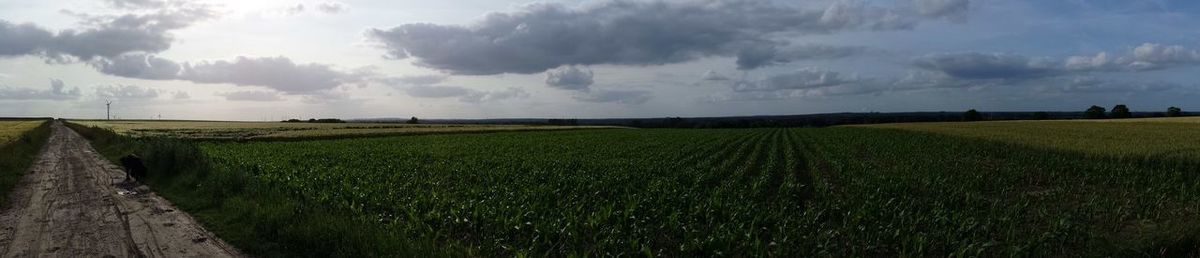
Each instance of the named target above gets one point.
<point>134,168</point>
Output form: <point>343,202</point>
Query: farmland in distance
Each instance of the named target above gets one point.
<point>222,130</point>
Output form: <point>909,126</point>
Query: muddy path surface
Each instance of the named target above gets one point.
<point>72,203</point>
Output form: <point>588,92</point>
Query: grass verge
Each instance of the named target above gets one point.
<point>260,219</point>
<point>18,156</point>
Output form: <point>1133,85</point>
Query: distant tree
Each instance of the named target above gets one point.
<point>413,120</point>
<point>635,123</point>
<point>676,122</point>
<point>971,115</point>
<point>1174,111</point>
<point>571,122</point>
<point>326,120</point>
<point>1041,115</point>
<point>1120,111</point>
<point>293,120</point>
<point>1094,112</point>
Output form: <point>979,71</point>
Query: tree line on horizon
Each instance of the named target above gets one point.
<point>1094,112</point>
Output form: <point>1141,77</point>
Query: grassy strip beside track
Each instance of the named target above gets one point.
<point>20,151</point>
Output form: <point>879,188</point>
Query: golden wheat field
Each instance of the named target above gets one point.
<point>12,129</point>
<point>1172,138</point>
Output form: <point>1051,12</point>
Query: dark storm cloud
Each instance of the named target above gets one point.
<point>545,36</point>
<point>58,91</point>
<point>102,36</point>
<point>570,78</point>
<point>632,97</point>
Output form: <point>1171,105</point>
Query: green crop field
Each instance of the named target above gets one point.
<point>1056,188</point>
<point>218,130</point>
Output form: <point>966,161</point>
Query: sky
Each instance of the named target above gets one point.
<point>273,60</point>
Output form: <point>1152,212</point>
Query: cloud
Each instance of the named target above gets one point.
<point>954,10</point>
<point>569,78</point>
<point>989,66</point>
<point>180,95</point>
<point>1096,85</point>
<point>429,91</point>
<point>103,35</point>
<point>541,37</point>
<point>412,80</point>
<point>278,73</point>
<point>294,10</point>
<point>754,57</point>
<point>136,4</point>
<point>251,95</point>
<point>57,91</point>
<point>818,82</point>
<point>711,75</point>
<point>22,39</point>
<point>857,14</point>
<point>1148,56</point>
<point>463,94</point>
<point>632,97</point>
<point>332,7</point>
<point>486,96</point>
<point>125,92</point>
<point>139,66</point>
<point>808,78</point>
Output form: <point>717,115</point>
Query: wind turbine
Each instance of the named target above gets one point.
<point>108,109</point>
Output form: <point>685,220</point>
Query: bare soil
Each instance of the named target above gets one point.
<point>74,203</point>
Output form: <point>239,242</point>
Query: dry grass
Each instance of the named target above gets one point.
<point>218,130</point>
